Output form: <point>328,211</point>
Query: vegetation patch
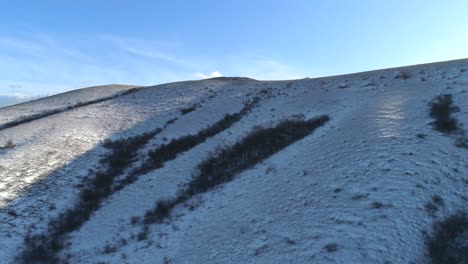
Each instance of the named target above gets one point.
<point>227,162</point>
<point>449,243</point>
<point>441,109</point>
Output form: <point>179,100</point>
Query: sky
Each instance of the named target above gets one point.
<point>48,46</point>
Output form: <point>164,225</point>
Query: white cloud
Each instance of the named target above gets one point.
<point>214,74</point>
<point>15,86</point>
<point>267,69</point>
<point>20,96</point>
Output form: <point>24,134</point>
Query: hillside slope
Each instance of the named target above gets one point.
<point>355,190</point>
<point>61,102</point>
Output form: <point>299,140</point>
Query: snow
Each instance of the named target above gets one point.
<point>361,181</point>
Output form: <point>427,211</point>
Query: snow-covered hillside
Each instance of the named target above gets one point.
<point>359,189</point>
<point>61,101</point>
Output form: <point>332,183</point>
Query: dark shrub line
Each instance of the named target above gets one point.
<point>159,156</point>
<point>441,109</point>
<point>44,248</point>
<point>34,117</point>
<point>260,144</point>
<point>449,243</point>
<point>189,109</point>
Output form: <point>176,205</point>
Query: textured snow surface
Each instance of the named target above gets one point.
<point>360,183</point>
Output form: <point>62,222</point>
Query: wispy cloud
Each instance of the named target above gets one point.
<point>214,74</point>
<point>148,49</point>
<point>40,46</point>
<point>41,64</point>
<point>15,86</point>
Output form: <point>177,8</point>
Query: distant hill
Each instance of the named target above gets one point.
<point>11,100</point>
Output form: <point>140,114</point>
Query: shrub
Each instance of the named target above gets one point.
<point>108,249</point>
<point>404,75</point>
<point>441,109</point>
<point>12,213</point>
<point>450,241</point>
<point>171,121</point>
<point>421,135</point>
<point>437,199</point>
<point>431,208</point>
<point>461,142</point>
<point>332,247</point>
<point>143,235</point>
<point>135,220</point>
<point>189,109</point>
<point>377,205</point>
<point>9,144</point>
<point>40,249</point>
<point>161,211</point>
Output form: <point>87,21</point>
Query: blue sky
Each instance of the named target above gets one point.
<point>53,46</point>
